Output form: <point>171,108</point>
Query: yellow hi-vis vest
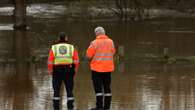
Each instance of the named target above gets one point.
<point>63,53</point>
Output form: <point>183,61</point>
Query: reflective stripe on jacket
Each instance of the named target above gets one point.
<point>101,52</point>
<point>62,54</point>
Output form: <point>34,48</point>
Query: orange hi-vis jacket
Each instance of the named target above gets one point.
<point>101,52</point>
<point>62,54</point>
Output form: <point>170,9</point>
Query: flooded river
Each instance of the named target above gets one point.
<point>139,83</point>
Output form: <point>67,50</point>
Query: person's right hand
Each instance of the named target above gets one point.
<point>50,72</point>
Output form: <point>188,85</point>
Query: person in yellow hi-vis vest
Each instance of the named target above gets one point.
<point>63,63</point>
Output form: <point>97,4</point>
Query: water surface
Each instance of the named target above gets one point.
<point>138,83</point>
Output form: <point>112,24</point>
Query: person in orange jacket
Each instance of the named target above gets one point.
<point>63,63</point>
<point>101,52</point>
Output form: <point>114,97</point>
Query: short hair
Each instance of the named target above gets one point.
<point>62,35</point>
<point>99,30</point>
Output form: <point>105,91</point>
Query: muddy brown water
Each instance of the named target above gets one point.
<point>136,85</point>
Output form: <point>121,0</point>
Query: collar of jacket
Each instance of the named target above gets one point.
<point>59,42</point>
<point>102,37</point>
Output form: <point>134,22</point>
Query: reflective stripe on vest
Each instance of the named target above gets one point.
<point>103,59</point>
<point>49,62</point>
<point>103,50</point>
<point>76,61</point>
<point>103,56</point>
<point>63,53</point>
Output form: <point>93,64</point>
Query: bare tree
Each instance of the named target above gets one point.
<point>20,14</point>
<point>122,8</point>
<point>119,7</point>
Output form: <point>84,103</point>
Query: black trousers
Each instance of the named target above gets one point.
<point>63,74</point>
<point>101,84</point>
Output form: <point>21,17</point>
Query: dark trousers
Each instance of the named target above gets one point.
<point>63,74</point>
<point>101,84</point>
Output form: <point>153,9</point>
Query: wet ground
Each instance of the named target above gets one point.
<point>135,87</point>
<point>138,82</point>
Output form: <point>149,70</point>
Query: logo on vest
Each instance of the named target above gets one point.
<point>62,49</point>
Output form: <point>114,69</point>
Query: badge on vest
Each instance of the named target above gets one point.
<point>63,50</point>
